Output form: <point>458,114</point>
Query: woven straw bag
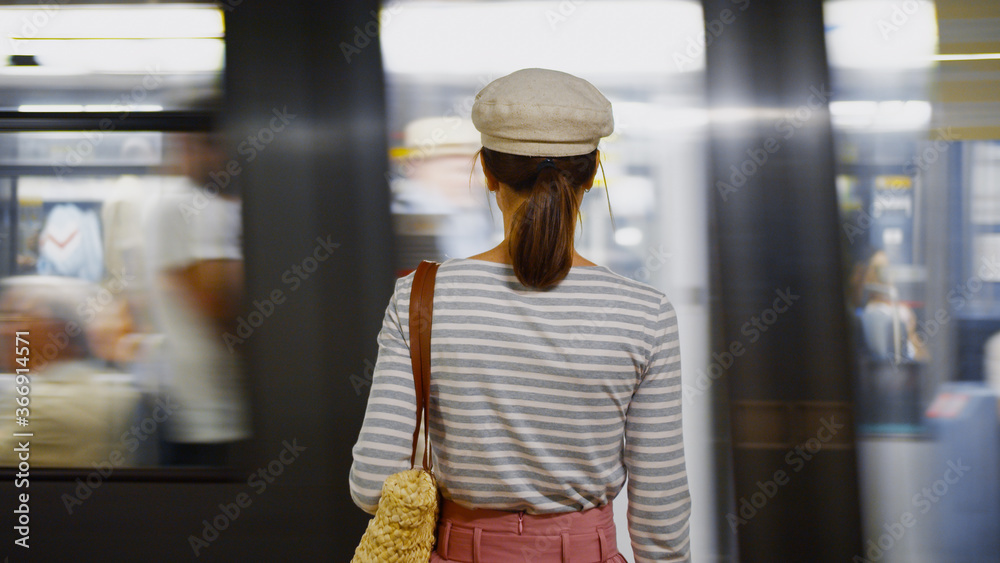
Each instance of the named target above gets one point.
<point>404,525</point>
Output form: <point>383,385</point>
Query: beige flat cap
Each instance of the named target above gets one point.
<point>540,112</point>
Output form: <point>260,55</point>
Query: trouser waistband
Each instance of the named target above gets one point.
<point>480,536</point>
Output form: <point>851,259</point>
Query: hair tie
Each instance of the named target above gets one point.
<point>547,163</point>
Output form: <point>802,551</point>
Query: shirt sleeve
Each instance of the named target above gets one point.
<point>386,439</point>
<point>659,504</point>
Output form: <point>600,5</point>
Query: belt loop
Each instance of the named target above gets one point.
<point>565,547</point>
<point>604,544</point>
<point>477,539</point>
<point>444,540</point>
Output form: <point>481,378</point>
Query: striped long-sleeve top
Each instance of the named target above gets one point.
<point>541,400</point>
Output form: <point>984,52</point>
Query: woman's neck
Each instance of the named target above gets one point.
<point>501,255</point>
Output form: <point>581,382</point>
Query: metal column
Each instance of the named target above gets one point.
<point>314,71</point>
<point>781,342</point>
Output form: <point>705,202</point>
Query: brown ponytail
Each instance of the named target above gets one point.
<point>541,237</point>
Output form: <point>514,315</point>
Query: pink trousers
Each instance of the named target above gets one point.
<point>494,536</point>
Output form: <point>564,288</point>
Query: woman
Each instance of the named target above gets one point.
<point>888,326</point>
<point>552,378</point>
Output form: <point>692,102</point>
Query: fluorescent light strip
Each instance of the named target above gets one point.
<point>50,108</point>
<point>649,37</point>
<point>113,108</point>
<point>87,108</point>
<point>970,57</point>
<point>885,115</point>
<point>52,21</point>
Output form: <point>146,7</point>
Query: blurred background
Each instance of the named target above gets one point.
<point>204,206</point>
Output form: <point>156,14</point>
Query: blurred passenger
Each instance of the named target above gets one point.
<point>552,378</point>
<point>124,215</point>
<point>27,257</point>
<point>435,197</point>
<point>889,327</point>
<point>118,342</point>
<point>111,330</point>
<point>991,362</point>
<point>196,270</point>
<point>79,412</point>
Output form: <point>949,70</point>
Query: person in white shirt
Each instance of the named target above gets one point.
<point>195,258</point>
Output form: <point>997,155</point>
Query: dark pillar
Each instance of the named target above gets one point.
<point>778,284</point>
<point>305,94</point>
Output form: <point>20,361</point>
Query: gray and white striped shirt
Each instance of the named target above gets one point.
<point>541,400</point>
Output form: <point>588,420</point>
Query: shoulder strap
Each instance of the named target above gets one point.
<point>421,313</point>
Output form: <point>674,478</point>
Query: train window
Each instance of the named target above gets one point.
<point>878,124</point>
<point>121,261</point>
<point>123,274</point>
<point>916,123</point>
<point>438,55</point>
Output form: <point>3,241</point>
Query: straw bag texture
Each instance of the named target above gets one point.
<point>404,525</point>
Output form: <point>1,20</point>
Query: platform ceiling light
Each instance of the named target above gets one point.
<point>880,34</point>
<point>853,114</point>
<point>592,38</point>
<point>968,57</point>
<point>645,117</point>
<point>734,114</point>
<point>55,108</point>
<point>108,108</point>
<point>628,236</point>
<point>111,108</point>
<point>886,115</point>
<point>147,38</point>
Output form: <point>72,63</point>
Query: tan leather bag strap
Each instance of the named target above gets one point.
<point>421,314</point>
